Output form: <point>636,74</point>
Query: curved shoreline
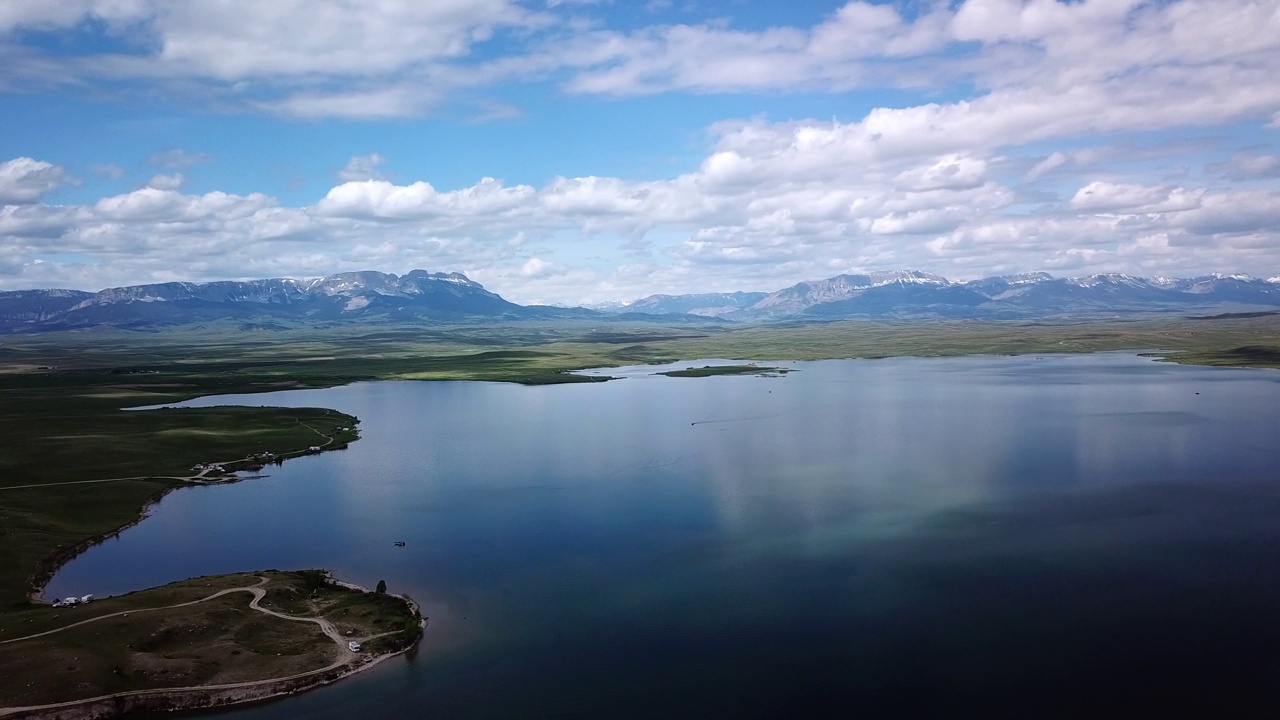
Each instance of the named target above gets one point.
<point>51,564</point>
<point>195,697</point>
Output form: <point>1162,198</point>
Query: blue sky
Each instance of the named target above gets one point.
<point>580,151</point>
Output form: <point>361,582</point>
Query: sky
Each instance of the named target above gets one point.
<point>583,151</point>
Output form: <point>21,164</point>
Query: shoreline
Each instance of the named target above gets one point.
<point>53,563</point>
<point>50,566</point>
<point>195,697</point>
<point>208,697</point>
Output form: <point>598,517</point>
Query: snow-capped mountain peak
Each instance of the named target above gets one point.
<point>1091,281</point>
<point>1026,278</point>
<point>420,295</point>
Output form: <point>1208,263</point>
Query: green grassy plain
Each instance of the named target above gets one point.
<point>61,396</point>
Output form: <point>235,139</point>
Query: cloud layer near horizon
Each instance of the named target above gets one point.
<point>1090,139</point>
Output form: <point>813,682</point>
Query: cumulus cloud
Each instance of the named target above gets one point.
<point>24,180</point>
<point>714,58</point>
<point>975,182</point>
<point>379,199</point>
<point>787,205</point>
<point>538,268</point>
<point>998,44</point>
<point>259,55</point>
<point>1095,58</point>
<point>236,39</point>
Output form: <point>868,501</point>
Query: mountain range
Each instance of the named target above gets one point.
<point>421,296</point>
<point>910,293</point>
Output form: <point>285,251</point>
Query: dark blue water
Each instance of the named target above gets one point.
<point>1053,536</point>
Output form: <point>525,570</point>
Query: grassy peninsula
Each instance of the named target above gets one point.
<point>201,642</point>
<point>75,467</point>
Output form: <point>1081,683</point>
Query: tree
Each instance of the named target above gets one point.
<point>382,587</point>
<point>313,579</point>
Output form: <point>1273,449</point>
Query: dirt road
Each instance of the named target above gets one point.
<point>345,655</point>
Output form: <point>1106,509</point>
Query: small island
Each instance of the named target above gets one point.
<point>711,370</point>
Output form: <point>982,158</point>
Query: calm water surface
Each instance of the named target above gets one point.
<point>910,537</point>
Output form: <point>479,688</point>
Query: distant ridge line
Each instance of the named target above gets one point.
<point>420,296</point>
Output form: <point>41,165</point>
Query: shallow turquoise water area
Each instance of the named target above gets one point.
<point>903,537</point>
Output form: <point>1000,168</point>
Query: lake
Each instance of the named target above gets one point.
<point>1049,535</point>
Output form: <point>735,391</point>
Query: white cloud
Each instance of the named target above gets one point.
<point>770,205</point>
<point>537,268</point>
<point>1113,47</point>
<point>1254,213</point>
<point>238,39</point>
<point>1105,197</point>
<point>1043,68</point>
<point>379,199</point>
<point>362,167</point>
<point>24,180</point>
<point>947,186</point>
<point>40,14</point>
<point>271,56</point>
<point>952,172</point>
<point>174,181</point>
<point>1047,165</point>
<point>1249,166</point>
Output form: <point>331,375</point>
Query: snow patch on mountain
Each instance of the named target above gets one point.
<point>1093,281</point>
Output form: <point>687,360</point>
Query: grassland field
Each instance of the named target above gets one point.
<point>141,643</point>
